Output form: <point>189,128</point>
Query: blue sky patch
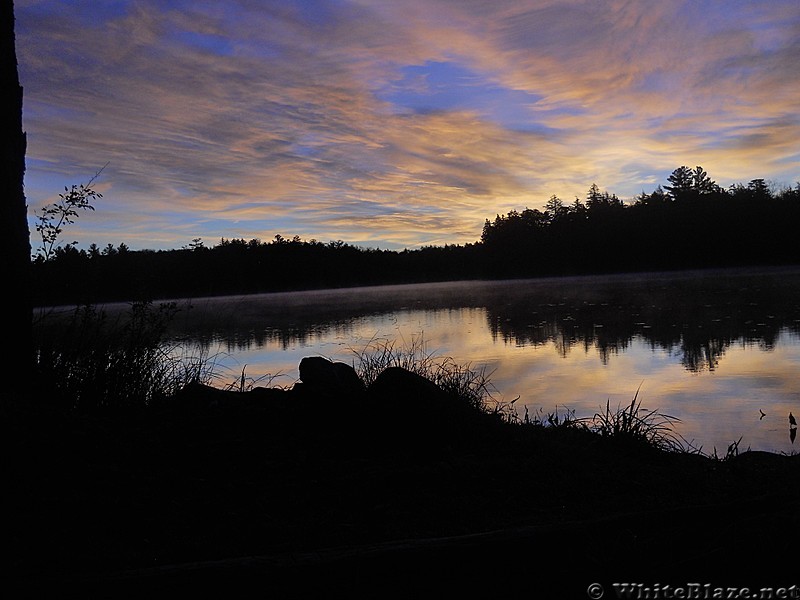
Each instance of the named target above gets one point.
<point>447,86</point>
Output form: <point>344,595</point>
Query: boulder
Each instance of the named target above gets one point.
<point>320,375</point>
<point>412,414</point>
<point>415,415</point>
<point>396,385</point>
<point>408,396</point>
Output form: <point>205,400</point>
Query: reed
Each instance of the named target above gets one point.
<point>91,361</point>
<point>471,385</point>
<point>633,424</point>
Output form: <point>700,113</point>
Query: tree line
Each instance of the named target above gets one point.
<point>690,222</point>
<point>236,266</point>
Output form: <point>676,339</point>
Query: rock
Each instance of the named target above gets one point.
<point>414,392</point>
<point>322,376</point>
<point>410,397</point>
<point>415,416</point>
<point>412,414</point>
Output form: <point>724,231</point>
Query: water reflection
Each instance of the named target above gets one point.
<point>713,349</point>
<point>696,319</point>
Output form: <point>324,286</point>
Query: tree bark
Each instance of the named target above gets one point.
<point>15,246</point>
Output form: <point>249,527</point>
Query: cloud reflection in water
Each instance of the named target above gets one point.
<point>712,351</point>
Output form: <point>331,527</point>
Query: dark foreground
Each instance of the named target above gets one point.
<point>278,494</point>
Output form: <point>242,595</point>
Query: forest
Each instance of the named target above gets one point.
<point>690,222</point>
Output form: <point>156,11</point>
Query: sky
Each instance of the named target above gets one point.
<point>391,123</point>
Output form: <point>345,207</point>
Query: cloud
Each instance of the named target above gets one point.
<point>411,121</point>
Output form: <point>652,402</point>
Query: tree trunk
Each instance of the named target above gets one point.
<point>15,246</point>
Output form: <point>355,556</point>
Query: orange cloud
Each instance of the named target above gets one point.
<point>275,114</point>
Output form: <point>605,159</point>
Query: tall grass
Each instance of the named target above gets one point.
<point>89,361</point>
<point>629,424</point>
<point>635,425</point>
<point>471,385</point>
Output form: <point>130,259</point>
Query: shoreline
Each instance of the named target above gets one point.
<point>294,492</point>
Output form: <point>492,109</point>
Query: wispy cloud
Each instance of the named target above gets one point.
<point>393,123</point>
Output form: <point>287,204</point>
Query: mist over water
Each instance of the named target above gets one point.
<point>712,349</point>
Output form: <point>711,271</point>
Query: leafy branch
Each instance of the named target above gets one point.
<point>53,217</point>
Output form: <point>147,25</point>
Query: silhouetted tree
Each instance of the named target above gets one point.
<point>702,183</point>
<point>686,183</point>
<point>555,209</point>
<point>16,247</point>
<point>759,189</point>
<point>593,197</point>
<point>656,198</point>
<point>597,201</point>
<point>196,244</point>
<point>680,183</point>
<point>578,209</point>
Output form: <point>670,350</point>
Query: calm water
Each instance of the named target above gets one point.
<point>710,348</point>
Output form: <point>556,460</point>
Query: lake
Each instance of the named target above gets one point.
<point>711,348</point>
